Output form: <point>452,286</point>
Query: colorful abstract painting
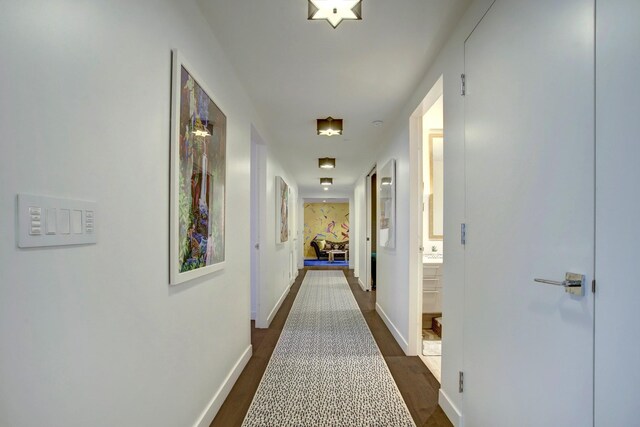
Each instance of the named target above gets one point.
<point>325,221</point>
<point>282,210</point>
<point>198,179</point>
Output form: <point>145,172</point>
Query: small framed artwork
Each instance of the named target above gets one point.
<point>387,205</point>
<point>198,177</point>
<point>282,210</point>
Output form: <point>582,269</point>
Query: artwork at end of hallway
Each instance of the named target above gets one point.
<point>198,178</point>
<point>387,206</point>
<point>282,210</point>
<point>325,221</point>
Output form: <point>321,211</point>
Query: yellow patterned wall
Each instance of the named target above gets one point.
<point>328,221</point>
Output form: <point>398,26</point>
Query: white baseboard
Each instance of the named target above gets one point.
<point>450,409</point>
<point>273,312</point>
<point>362,285</point>
<point>221,394</point>
<point>394,331</point>
<point>253,315</point>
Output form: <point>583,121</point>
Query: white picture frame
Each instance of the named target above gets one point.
<point>197,212</point>
<point>387,205</point>
<point>282,210</point>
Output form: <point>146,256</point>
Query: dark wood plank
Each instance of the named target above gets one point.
<point>416,384</point>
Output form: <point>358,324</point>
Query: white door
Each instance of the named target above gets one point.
<point>529,144</point>
<point>258,224</point>
<point>255,227</point>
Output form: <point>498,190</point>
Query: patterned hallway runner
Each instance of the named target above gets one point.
<point>326,369</point>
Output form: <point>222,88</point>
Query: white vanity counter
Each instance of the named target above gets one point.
<point>432,258</point>
<point>432,285</point>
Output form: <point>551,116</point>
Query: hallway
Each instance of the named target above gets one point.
<point>416,384</point>
<point>158,158</point>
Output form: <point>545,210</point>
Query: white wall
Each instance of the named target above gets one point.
<point>617,211</point>
<point>278,272</point>
<point>393,268</point>
<point>93,335</point>
<point>359,225</point>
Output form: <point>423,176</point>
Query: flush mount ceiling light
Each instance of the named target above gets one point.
<point>386,181</point>
<point>329,126</point>
<point>335,11</point>
<point>327,163</point>
<point>326,181</point>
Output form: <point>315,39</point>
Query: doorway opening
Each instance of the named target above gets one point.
<point>372,229</point>
<point>427,225</point>
<point>432,236</point>
<point>326,233</point>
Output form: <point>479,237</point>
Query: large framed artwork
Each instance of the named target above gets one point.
<point>282,210</point>
<point>387,205</point>
<point>198,177</point>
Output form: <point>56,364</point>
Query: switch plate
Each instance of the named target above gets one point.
<point>51,221</point>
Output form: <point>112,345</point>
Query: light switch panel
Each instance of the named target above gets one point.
<point>51,221</point>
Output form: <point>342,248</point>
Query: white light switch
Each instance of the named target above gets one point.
<point>49,221</point>
<point>88,218</point>
<point>64,221</point>
<point>76,221</point>
<point>35,221</point>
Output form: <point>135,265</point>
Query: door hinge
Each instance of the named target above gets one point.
<point>463,234</point>
<point>593,286</point>
<point>461,382</point>
<point>463,84</point>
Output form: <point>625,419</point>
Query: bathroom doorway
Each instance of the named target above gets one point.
<point>426,263</point>
<point>432,236</point>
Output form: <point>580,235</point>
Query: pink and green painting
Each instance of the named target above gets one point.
<point>201,192</point>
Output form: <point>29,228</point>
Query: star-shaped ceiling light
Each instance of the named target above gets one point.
<point>335,11</point>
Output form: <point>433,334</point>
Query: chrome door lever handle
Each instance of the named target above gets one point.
<point>549,282</point>
<point>573,283</point>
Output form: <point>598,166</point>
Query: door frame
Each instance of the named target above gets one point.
<point>416,214</point>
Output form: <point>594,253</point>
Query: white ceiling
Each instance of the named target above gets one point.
<point>297,71</point>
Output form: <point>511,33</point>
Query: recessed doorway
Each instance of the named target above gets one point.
<point>426,262</point>
<point>326,233</point>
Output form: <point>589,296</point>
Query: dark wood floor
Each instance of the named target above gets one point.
<point>417,385</point>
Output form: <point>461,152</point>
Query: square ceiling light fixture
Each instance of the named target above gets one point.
<point>326,181</point>
<point>335,11</point>
<point>329,126</point>
<point>327,163</point>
